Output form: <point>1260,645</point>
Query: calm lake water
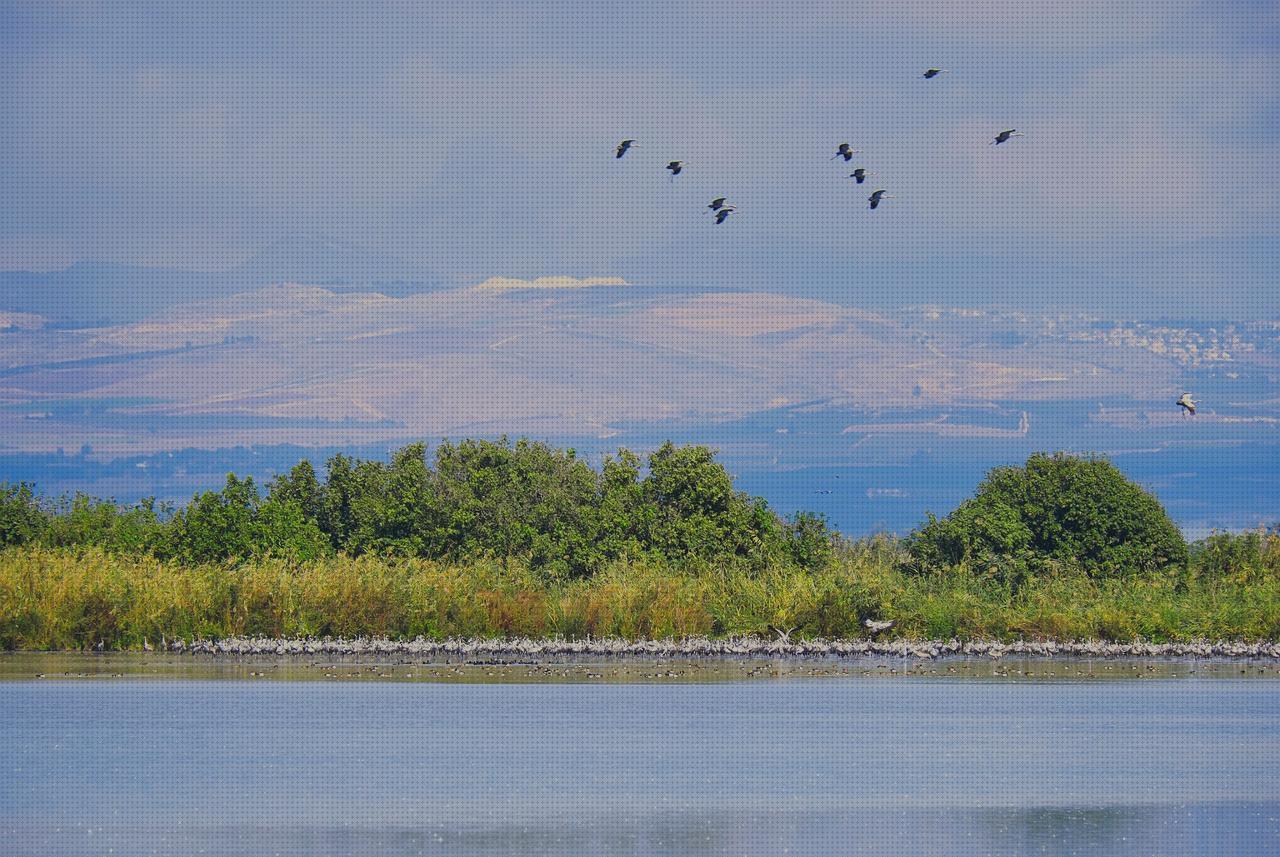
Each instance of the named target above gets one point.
<point>205,763</point>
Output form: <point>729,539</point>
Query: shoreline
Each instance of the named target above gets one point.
<point>698,647</point>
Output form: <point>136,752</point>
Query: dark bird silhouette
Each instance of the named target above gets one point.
<point>876,196</point>
<point>623,148</point>
<point>1003,136</point>
<point>675,167</point>
<point>931,73</point>
<point>844,151</point>
<point>860,174</point>
<point>723,214</point>
<point>717,203</point>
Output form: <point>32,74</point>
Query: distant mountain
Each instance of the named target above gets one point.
<point>335,266</point>
<point>869,417</point>
<point>91,293</point>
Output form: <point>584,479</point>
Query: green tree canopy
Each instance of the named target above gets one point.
<point>1059,508</point>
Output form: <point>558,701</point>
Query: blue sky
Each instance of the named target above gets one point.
<point>475,140</point>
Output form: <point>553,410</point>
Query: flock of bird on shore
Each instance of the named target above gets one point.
<point>721,208</point>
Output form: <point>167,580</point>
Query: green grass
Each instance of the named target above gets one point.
<point>72,599</point>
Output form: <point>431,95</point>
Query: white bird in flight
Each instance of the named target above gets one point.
<point>1188,405</point>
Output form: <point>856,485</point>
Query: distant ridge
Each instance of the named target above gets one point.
<point>94,293</point>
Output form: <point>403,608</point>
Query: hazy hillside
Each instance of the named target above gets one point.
<point>781,384</point>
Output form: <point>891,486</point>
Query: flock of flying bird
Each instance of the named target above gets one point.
<point>722,209</point>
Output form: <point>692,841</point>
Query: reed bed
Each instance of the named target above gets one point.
<point>88,598</point>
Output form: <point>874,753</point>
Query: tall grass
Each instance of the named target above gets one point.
<point>73,599</point>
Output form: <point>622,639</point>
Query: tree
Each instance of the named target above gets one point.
<point>694,512</point>
<point>21,518</point>
<point>619,524</point>
<point>1057,509</point>
<point>809,540</point>
<point>87,521</point>
<point>301,486</point>
<point>235,524</point>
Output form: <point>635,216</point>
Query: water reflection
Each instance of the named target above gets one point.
<point>1172,831</point>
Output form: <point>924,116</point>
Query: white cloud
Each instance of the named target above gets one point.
<point>20,321</point>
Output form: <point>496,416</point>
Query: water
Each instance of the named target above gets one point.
<point>616,763</point>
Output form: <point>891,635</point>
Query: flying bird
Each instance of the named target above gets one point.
<point>1003,136</point>
<point>1188,405</point>
<point>784,635</point>
<point>723,214</point>
<point>876,627</point>
<point>623,148</point>
<point>876,196</point>
<point>860,174</point>
<point>844,151</point>
<point>930,73</point>
<point>675,167</point>
<point>717,203</point>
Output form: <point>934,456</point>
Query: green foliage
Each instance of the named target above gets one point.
<point>21,518</point>
<point>1057,511</point>
<point>1245,557</point>
<point>693,512</point>
<point>527,501</point>
<point>545,507</point>
<point>58,598</point>
<point>810,543</point>
<point>301,486</point>
<point>531,506</point>
<point>236,524</point>
<point>87,521</point>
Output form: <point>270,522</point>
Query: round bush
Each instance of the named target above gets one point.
<point>1079,512</point>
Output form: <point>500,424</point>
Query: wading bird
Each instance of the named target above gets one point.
<point>623,148</point>
<point>717,203</point>
<point>844,151</point>
<point>934,72</point>
<point>876,196</point>
<point>723,214</point>
<point>1003,136</point>
<point>1188,405</point>
<point>860,174</point>
<point>675,167</point>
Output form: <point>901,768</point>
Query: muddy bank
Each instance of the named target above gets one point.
<point>695,647</point>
